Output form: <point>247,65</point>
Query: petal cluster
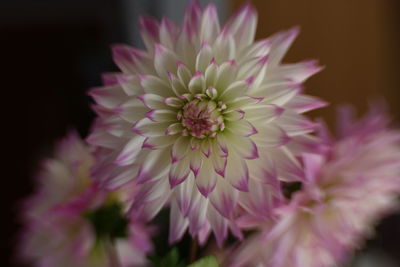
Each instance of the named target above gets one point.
<point>199,113</point>
<point>347,190</point>
<point>62,219</point>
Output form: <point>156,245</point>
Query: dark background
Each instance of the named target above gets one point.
<point>52,51</point>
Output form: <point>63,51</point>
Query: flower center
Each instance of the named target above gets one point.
<point>201,118</point>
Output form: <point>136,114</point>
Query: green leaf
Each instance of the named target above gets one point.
<point>208,261</point>
<point>169,260</point>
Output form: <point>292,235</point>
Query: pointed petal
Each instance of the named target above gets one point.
<point>185,195</point>
<point>304,103</point>
<point>271,136</point>
<point>204,57</point>
<point>179,171</point>
<point>209,28</point>
<point>264,113</point>
<point>281,43</point>
<point>206,178</point>
<point>235,90</point>
<point>168,33</point>
<point>131,60</point>
<point>161,115</point>
<point>244,146</point>
<point>298,72</point>
<point>164,61</point>
<point>180,148</point>
<point>158,142</point>
<point>152,101</point>
<point>197,84</point>
<point>237,173</point>
<point>131,110</point>
<point>130,151</point>
<point>148,128</point>
<point>177,225</point>
<point>154,165</point>
<point>227,73</point>
<point>219,226</point>
<point>198,216</point>
<point>154,85</point>
<point>109,96</point>
<point>243,128</point>
<point>149,29</point>
<point>242,26</point>
<point>224,198</point>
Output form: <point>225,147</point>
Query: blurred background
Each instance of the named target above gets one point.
<point>52,51</point>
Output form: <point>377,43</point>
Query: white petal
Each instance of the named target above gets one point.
<point>197,84</point>
<point>209,28</point>
<point>243,128</point>
<point>130,151</point>
<point>281,43</point>
<point>298,72</point>
<point>148,128</point>
<point>271,136</point>
<point>152,101</point>
<point>244,146</point>
<point>177,225</point>
<point>132,110</point>
<point>304,103</point>
<point>168,33</point>
<point>206,178</point>
<point>109,96</point>
<point>153,166</point>
<point>179,171</point>
<point>227,72</point>
<point>165,61</point>
<point>219,225</point>
<point>154,85</point>
<point>235,90</point>
<point>158,142</point>
<point>130,84</point>
<point>204,57</point>
<point>186,195</point>
<point>184,73</point>
<point>295,124</point>
<point>224,198</point>
<point>211,74</point>
<point>242,26</point>
<point>131,60</point>
<point>180,148</point>
<point>237,172</point>
<point>263,113</point>
<point>161,115</point>
<point>198,216</point>
<point>224,48</point>
<point>149,29</point>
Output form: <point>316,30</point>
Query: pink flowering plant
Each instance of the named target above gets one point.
<point>207,125</point>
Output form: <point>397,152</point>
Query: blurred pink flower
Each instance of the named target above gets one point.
<point>346,191</point>
<point>201,111</point>
<point>63,225</point>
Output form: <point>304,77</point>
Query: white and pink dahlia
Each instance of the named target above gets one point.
<point>346,191</point>
<point>71,221</point>
<point>199,113</point>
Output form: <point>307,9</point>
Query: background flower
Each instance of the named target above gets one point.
<point>72,221</point>
<point>347,190</point>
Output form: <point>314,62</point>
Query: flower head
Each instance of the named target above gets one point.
<point>202,110</point>
<point>346,191</point>
<point>71,221</point>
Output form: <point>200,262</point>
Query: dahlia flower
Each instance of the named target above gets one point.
<point>199,113</point>
<point>346,191</point>
<point>71,221</point>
